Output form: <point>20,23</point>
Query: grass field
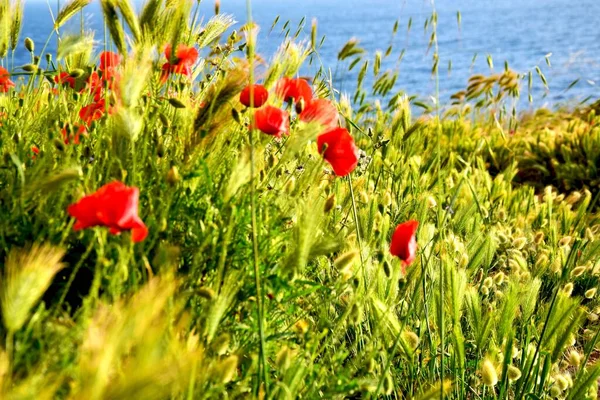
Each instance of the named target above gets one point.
<point>163,237</point>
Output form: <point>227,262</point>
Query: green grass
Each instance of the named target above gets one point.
<point>265,275</point>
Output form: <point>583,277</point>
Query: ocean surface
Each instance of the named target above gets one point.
<point>519,32</point>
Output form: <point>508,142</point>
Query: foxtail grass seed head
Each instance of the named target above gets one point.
<point>555,391</point>
<point>519,243</point>
<point>412,340</point>
<point>225,370</point>
<point>464,260</point>
<point>489,376</point>
<point>578,271</point>
<point>592,317</point>
<point>565,241</point>
<point>485,290</point>
<point>539,237</point>
<point>590,293</point>
<point>514,373</point>
<point>488,282</point>
<point>561,382</point>
<point>574,358</point>
<point>499,278</point>
<point>568,289</point>
<point>221,344</point>
<point>431,203</point>
<point>301,327</point>
<point>345,260</point>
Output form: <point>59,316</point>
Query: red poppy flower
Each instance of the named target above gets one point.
<point>108,59</point>
<point>93,112</point>
<point>295,90</point>
<point>185,58</point>
<point>321,111</point>
<point>65,78</point>
<point>272,121</point>
<point>73,134</point>
<point>115,206</point>
<point>259,93</point>
<point>5,82</point>
<point>338,148</point>
<point>404,242</point>
<point>35,151</point>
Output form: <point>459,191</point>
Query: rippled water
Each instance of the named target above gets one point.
<point>520,32</point>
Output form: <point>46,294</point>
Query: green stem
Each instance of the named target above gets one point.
<point>257,278</point>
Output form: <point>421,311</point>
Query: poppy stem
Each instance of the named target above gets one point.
<point>262,370</point>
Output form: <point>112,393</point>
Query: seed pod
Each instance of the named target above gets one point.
<point>176,103</point>
<point>329,204</point>
<point>206,293</point>
<point>29,45</point>
<point>173,176</point>
<point>30,68</point>
<point>48,58</point>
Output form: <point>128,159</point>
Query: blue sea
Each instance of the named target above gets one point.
<point>522,33</point>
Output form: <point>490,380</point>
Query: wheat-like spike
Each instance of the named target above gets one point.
<point>69,45</point>
<point>130,19</point>
<point>214,28</point>
<point>68,10</point>
<point>17,22</point>
<point>5,24</point>
<point>109,9</point>
<point>149,16</point>
<point>27,275</point>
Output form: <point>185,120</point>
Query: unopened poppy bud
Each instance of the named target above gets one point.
<point>160,150</point>
<point>578,271</point>
<point>173,176</point>
<point>329,203</point>
<point>387,269</point>
<point>176,103</point>
<point>29,45</point>
<point>590,293</point>
<point>217,6</point>
<point>206,293</point>
<point>235,114</point>
<point>225,370</point>
<point>284,357</point>
<point>568,289</point>
<point>30,68</point>
<point>514,373</point>
<point>48,58</point>
<point>164,120</point>
<point>539,237</point>
<point>489,376</point>
<point>76,73</point>
<point>58,145</point>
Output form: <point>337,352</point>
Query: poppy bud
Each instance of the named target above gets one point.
<point>300,105</point>
<point>36,61</point>
<point>206,293</point>
<point>217,6</point>
<point>160,150</point>
<point>76,73</point>
<point>329,204</point>
<point>176,103</point>
<point>164,120</point>
<point>29,45</point>
<point>387,269</point>
<point>30,68</point>
<point>173,176</point>
<point>48,58</point>
<point>236,116</point>
<point>59,145</point>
